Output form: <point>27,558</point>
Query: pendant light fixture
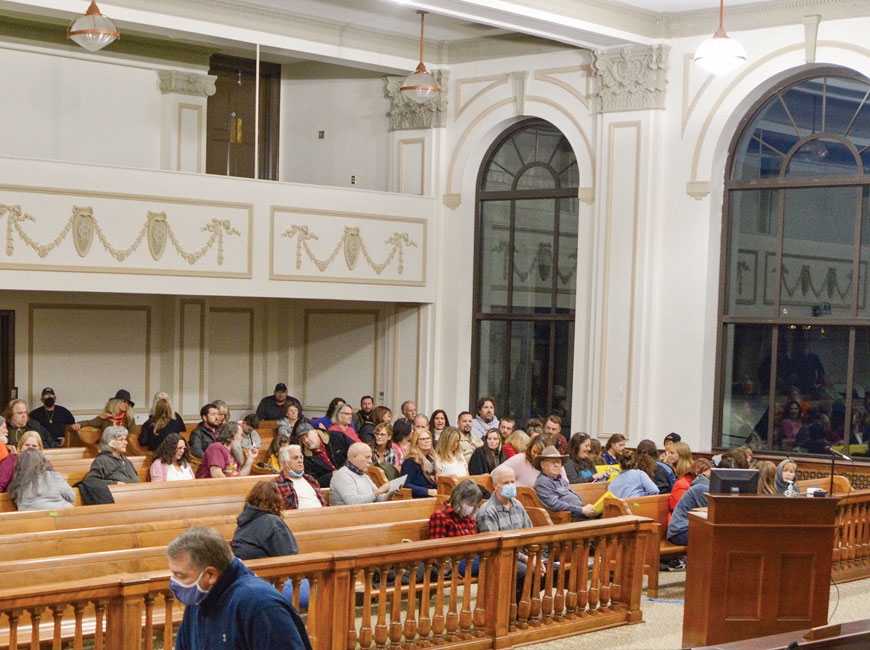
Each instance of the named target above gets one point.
<point>420,85</point>
<point>92,30</point>
<point>720,54</point>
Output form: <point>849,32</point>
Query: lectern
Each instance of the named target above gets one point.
<point>757,565</point>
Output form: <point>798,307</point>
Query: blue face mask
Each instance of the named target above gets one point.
<point>191,594</point>
<point>295,474</point>
<point>509,491</point>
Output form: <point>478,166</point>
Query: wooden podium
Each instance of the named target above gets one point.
<point>757,566</point>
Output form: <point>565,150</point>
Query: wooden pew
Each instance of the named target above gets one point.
<point>842,486</point>
<point>656,508</point>
<point>120,536</point>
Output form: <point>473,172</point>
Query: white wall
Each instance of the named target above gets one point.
<point>79,110</point>
<point>352,113</point>
<point>199,349</point>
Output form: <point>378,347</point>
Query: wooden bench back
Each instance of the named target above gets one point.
<point>655,507</point>
<point>117,513</point>
<point>151,493</point>
<point>842,486</point>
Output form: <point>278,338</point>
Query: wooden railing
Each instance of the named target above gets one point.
<point>580,577</point>
<point>851,559</point>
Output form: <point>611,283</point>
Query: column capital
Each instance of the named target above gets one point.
<point>406,114</point>
<point>186,83</point>
<point>631,78</point>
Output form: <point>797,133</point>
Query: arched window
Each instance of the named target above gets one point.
<point>794,345</point>
<point>526,273</point>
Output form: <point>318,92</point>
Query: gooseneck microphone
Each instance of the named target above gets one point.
<point>840,454</point>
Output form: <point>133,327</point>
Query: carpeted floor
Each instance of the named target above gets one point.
<point>662,628</point>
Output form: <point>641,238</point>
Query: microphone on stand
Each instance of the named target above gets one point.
<point>840,454</point>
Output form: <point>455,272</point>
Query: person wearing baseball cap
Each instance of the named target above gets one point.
<point>53,417</point>
<point>553,489</point>
<point>271,407</point>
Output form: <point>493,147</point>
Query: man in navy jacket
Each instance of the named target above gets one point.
<point>227,606</point>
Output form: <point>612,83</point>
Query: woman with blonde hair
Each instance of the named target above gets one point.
<point>419,465</point>
<point>516,443</point>
<point>449,460</point>
<point>680,458</point>
<point>117,413</point>
<point>28,440</point>
<point>162,421</point>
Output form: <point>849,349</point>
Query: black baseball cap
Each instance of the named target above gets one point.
<point>281,387</point>
<point>47,391</point>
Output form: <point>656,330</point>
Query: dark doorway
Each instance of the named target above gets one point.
<point>231,118</point>
<point>8,390</point>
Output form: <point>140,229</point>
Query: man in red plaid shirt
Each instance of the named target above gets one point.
<point>298,489</point>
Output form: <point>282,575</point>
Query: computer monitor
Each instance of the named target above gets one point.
<point>722,480</point>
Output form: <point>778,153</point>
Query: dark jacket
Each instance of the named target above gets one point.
<point>151,440</point>
<point>262,534</point>
<point>417,481</point>
<point>200,439</point>
<point>242,612</point>
<point>337,445</point>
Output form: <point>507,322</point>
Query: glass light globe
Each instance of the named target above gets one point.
<point>420,86</point>
<point>92,30</point>
<point>720,54</point>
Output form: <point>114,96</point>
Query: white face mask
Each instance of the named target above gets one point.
<point>466,510</point>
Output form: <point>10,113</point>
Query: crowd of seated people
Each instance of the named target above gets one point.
<point>335,451</point>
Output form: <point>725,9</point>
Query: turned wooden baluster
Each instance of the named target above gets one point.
<point>512,620</point>
<point>57,617</point>
<point>618,576</point>
<point>597,568</point>
<point>606,571</point>
<point>577,556</point>
<point>396,610</point>
<point>438,617</point>
<point>583,587</point>
<point>381,625</point>
<point>168,607</point>
<point>465,614</point>
<point>525,604</point>
<point>351,634</point>
<point>848,547</point>
<point>365,630</point>
<point>863,533</point>
<point>479,617</point>
<point>149,621</point>
<point>100,614</point>
<point>313,593</point>
<point>536,554</point>
<point>14,616</point>
<point>78,634</point>
<point>547,600</point>
<point>410,613</point>
<point>425,625</point>
<point>453,608</point>
<point>35,620</point>
<point>559,555</point>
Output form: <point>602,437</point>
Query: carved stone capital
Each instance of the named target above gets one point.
<point>406,114</point>
<point>631,78</point>
<point>186,83</point>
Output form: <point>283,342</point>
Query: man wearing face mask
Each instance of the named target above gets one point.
<point>502,511</point>
<point>298,489</point>
<point>53,417</point>
<point>226,605</point>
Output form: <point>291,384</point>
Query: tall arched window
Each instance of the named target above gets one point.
<point>794,345</point>
<point>526,273</point>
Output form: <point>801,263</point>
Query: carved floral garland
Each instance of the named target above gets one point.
<point>84,225</point>
<point>353,245</point>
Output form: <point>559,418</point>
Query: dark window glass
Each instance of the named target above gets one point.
<point>526,273</point>
<point>794,343</point>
